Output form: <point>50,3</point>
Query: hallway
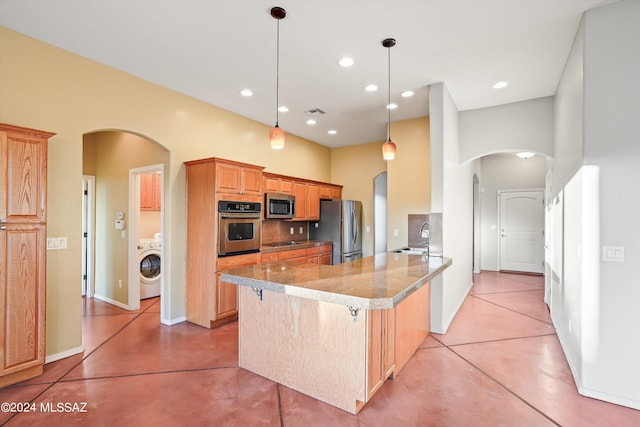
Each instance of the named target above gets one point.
<point>500,364</point>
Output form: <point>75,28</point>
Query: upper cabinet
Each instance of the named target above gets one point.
<point>308,193</point>
<point>150,191</point>
<point>238,178</point>
<point>272,183</point>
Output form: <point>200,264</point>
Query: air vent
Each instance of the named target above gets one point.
<point>315,112</point>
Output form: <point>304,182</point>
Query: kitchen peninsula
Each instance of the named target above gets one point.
<point>334,332</point>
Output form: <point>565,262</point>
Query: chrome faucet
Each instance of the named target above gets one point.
<point>424,234</point>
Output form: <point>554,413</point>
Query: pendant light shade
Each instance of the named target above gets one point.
<point>276,134</point>
<point>389,150</point>
<point>389,147</point>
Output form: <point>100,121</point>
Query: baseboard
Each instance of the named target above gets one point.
<point>110,301</point>
<point>175,321</point>
<point>448,322</point>
<point>611,398</point>
<point>72,352</point>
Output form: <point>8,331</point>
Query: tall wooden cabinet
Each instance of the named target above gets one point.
<point>210,301</point>
<point>23,202</point>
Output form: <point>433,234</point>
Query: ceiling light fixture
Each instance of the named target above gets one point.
<point>371,88</point>
<point>500,85</point>
<point>276,135</point>
<point>407,94</point>
<point>389,148</point>
<point>246,92</point>
<point>346,62</point>
<point>525,154</point>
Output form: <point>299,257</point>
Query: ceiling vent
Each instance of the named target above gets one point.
<point>315,112</point>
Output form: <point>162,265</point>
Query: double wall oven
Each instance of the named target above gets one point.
<point>238,227</point>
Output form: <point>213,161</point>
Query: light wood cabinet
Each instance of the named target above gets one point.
<point>150,191</point>
<point>276,184</point>
<point>208,300</point>
<point>238,178</point>
<point>227,293</point>
<point>381,348</point>
<point>300,191</point>
<point>313,202</point>
<point>23,185</point>
<point>312,255</point>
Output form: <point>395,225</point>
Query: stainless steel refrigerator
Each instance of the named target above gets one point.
<point>340,222</point>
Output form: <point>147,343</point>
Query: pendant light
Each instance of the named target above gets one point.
<point>389,147</point>
<point>276,134</point>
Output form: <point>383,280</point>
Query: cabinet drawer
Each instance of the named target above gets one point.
<point>269,257</point>
<point>317,250</point>
<point>237,261</point>
<point>295,253</point>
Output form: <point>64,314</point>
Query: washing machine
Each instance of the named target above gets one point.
<point>149,257</point>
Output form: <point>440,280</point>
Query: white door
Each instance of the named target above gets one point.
<point>522,231</point>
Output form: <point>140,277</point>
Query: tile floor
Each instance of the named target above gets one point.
<point>500,364</point>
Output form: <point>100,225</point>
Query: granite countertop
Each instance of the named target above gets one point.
<point>300,244</point>
<point>376,282</point>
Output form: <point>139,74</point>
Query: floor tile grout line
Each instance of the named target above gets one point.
<point>507,389</point>
<point>515,311</point>
<point>280,409</point>
<point>505,291</point>
<point>142,374</point>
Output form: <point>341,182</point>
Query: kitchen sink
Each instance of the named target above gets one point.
<point>411,251</point>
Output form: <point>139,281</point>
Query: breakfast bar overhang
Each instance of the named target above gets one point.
<point>333,332</point>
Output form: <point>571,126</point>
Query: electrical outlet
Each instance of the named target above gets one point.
<point>120,283</point>
<point>396,232</point>
<point>291,231</point>
<point>613,253</point>
<point>301,230</point>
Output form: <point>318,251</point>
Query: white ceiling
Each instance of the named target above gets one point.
<point>211,49</point>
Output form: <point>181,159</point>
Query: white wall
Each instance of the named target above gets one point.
<point>596,314</point>
<point>519,126</point>
<point>504,171</point>
<point>451,194</point>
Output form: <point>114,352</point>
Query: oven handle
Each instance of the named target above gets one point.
<point>240,216</point>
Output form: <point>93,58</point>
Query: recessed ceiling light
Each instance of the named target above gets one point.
<point>346,62</point>
<point>392,106</point>
<point>525,154</point>
<point>332,132</point>
<point>311,122</point>
<point>500,85</point>
<point>371,88</point>
<point>246,92</point>
<point>283,109</point>
<point>407,94</point>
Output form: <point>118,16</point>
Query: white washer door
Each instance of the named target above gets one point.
<point>150,266</point>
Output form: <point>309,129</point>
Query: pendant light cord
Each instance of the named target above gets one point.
<point>277,70</point>
<point>389,91</point>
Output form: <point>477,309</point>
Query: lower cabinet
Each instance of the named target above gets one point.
<point>312,255</point>
<point>381,348</point>
<point>226,304</point>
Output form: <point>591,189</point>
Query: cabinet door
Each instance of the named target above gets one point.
<point>336,193</point>
<point>313,202</point>
<point>22,298</point>
<point>23,163</point>
<point>147,192</point>
<point>286,186</point>
<point>251,180</point>
<point>270,185</point>
<point>228,178</point>
<point>227,298</point>
<point>300,191</point>
<point>381,348</point>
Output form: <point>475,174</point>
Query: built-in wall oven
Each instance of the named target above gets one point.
<point>238,227</point>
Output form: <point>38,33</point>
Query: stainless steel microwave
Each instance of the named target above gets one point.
<point>281,206</point>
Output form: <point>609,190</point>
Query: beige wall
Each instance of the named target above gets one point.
<point>408,177</point>
<point>46,88</point>
<point>355,167</point>
<point>115,153</point>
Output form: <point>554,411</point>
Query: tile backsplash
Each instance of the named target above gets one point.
<point>277,230</point>
<point>431,222</point>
